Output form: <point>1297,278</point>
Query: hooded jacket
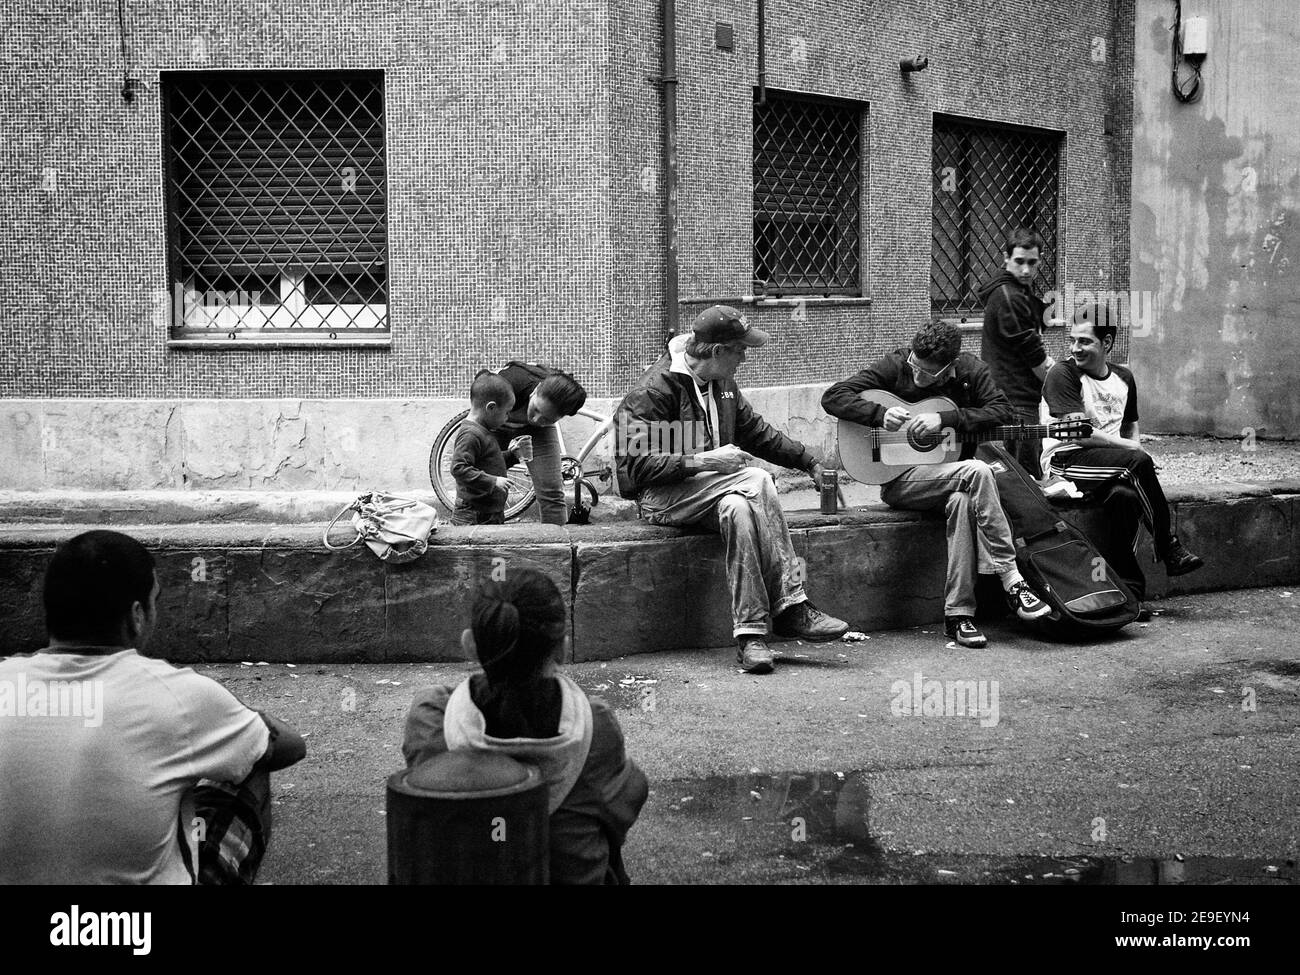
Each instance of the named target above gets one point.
<point>667,392</point>
<point>1012,344</point>
<point>980,404</point>
<point>595,791</point>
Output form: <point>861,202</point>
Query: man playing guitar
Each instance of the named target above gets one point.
<point>979,537</point>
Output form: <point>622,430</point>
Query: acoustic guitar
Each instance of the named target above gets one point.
<point>874,455</point>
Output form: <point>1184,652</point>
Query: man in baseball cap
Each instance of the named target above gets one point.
<point>702,476</point>
<point>723,325</point>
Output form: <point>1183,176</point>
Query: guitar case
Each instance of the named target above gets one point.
<point>1058,561</point>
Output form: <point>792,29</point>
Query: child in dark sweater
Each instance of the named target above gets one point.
<point>478,463</point>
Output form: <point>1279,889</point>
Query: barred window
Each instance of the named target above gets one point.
<point>277,219</point>
<point>988,180</point>
<point>807,184</point>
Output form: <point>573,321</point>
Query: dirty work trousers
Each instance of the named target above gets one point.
<point>765,575</point>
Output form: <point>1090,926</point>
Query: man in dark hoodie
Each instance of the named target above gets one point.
<point>1013,343</point>
<point>684,440</point>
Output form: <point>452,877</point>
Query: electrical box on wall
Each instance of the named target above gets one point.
<point>1196,37</point>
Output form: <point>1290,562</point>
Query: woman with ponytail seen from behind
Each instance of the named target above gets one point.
<point>520,706</point>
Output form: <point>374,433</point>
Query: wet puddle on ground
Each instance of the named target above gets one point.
<point>820,822</point>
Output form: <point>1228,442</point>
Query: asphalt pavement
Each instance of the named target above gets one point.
<point>1169,749</point>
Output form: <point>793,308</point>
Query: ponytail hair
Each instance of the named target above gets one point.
<point>519,626</point>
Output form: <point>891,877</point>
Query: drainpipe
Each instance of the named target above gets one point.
<point>762,53</point>
<point>669,8</point>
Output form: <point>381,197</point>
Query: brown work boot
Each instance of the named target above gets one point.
<point>804,621</point>
<point>754,656</point>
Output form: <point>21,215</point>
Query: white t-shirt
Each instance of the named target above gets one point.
<point>96,772</point>
<point>1110,403</point>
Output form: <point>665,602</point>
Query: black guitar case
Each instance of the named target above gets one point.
<point>1058,561</point>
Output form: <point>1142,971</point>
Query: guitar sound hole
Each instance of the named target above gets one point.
<point>924,444</point>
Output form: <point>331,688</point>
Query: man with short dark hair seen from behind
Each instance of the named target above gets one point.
<point>1012,343</point>
<point>116,768</point>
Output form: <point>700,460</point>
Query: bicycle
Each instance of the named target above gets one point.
<point>521,494</point>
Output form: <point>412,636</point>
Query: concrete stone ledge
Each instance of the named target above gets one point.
<point>257,591</point>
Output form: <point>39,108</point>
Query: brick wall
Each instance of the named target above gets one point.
<point>1013,61</point>
<point>524,162</point>
<point>498,170</point>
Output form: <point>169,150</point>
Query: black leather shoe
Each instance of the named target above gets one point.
<point>1178,561</point>
<point>753,655</point>
<point>804,621</point>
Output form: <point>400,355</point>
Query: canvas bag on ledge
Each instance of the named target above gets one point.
<point>395,528</point>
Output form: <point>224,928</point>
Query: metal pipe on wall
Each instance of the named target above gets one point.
<point>669,8</point>
<point>762,53</point>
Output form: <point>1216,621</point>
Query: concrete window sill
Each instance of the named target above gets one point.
<point>282,343</point>
<point>817,300</point>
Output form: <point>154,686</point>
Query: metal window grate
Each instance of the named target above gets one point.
<point>807,184</point>
<point>988,181</point>
<point>277,218</point>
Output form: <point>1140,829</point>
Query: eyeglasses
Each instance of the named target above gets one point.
<point>926,373</point>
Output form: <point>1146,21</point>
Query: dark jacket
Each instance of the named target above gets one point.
<point>523,378</point>
<point>665,395</point>
<point>589,827</point>
<point>980,404</point>
<point>476,462</point>
<point>1013,339</point>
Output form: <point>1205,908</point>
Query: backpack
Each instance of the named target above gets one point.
<point>1058,561</point>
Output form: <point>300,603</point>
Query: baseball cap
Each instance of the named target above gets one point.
<point>722,323</point>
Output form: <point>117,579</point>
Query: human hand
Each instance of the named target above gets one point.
<point>895,417</point>
<point>724,460</point>
<point>503,484</point>
<point>926,423</point>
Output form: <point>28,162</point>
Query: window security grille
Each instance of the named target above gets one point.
<point>807,184</point>
<point>277,223</point>
<point>988,181</point>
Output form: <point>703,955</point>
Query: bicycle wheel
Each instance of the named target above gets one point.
<point>519,497</point>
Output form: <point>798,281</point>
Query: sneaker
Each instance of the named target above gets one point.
<point>1144,613</point>
<point>804,621</point>
<point>964,631</point>
<point>1178,561</point>
<point>1026,602</point>
<point>753,655</point>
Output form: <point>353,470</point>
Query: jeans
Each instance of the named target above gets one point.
<point>978,533</point>
<point>1131,496</point>
<point>544,469</point>
<point>763,572</point>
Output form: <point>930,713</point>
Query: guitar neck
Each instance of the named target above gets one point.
<point>1010,431</point>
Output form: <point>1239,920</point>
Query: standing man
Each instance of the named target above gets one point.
<point>1013,343</point>
<point>106,754</point>
<point>979,537</point>
<point>1111,462</point>
<point>683,442</point>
